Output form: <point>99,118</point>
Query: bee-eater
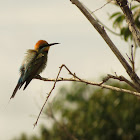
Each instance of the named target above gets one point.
<point>33,64</point>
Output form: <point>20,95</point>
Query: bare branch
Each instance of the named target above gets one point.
<point>92,83</point>
<point>112,46</point>
<point>77,79</point>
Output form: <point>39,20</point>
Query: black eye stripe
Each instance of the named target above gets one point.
<point>42,46</point>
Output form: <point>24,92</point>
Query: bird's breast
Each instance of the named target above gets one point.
<point>35,62</point>
<point>42,64</point>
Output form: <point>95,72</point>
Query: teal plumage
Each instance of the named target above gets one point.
<point>33,64</point>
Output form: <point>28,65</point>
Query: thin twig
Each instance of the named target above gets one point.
<point>101,7</point>
<point>48,96</point>
<point>132,58</point>
<point>128,57</point>
<point>120,78</point>
<point>92,13</point>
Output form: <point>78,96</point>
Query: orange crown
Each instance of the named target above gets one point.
<point>40,43</point>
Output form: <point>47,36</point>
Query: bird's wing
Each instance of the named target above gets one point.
<point>34,67</point>
<point>30,56</point>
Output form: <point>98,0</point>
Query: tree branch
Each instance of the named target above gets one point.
<point>91,83</point>
<point>77,79</point>
<point>129,19</point>
<point>120,78</point>
<point>112,46</point>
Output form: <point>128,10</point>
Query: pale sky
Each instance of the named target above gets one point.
<point>22,24</point>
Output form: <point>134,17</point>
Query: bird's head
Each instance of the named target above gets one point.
<point>43,46</point>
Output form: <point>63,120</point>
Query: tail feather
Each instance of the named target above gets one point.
<point>18,86</point>
<point>27,83</point>
<point>21,85</point>
<point>15,90</point>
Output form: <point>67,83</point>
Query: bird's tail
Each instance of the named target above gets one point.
<point>18,86</point>
<point>27,82</point>
<point>15,90</point>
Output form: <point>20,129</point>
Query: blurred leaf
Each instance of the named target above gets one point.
<point>134,7</point>
<point>115,14</point>
<point>118,21</point>
<point>126,33</point>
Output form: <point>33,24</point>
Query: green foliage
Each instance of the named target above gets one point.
<point>119,22</point>
<point>87,113</point>
<point>22,137</point>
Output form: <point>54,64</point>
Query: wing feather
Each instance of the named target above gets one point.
<point>34,67</point>
<point>33,64</point>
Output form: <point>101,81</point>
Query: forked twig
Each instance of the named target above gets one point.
<point>48,95</point>
<point>120,78</point>
<point>132,58</point>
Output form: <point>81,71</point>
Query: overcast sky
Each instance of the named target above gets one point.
<point>22,24</point>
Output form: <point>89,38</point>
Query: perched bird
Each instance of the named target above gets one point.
<point>33,64</point>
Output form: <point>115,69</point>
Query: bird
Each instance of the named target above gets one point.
<point>33,64</point>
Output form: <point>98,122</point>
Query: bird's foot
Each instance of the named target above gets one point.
<point>38,76</point>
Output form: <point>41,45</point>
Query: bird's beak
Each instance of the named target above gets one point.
<point>52,44</point>
<point>46,47</point>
